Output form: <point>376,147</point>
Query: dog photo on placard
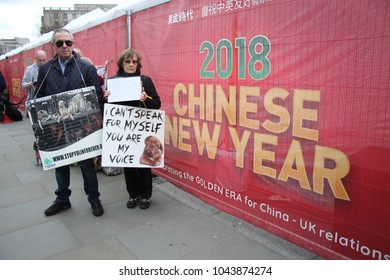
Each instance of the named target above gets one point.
<point>153,151</point>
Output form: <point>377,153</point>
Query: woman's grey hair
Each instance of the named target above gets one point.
<point>128,53</point>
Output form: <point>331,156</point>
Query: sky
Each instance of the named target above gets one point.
<point>22,18</point>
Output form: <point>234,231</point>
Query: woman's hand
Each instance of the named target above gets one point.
<point>143,95</point>
<point>106,94</point>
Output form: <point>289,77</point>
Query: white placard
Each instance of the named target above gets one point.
<point>133,137</point>
<point>124,89</point>
<point>67,126</point>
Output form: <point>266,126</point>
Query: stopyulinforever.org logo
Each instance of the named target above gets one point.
<point>48,162</point>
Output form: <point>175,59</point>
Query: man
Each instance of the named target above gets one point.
<point>31,73</point>
<point>3,86</point>
<point>66,71</point>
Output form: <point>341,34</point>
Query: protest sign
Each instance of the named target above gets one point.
<point>67,126</point>
<point>133,137</point>
<point>124,89</point>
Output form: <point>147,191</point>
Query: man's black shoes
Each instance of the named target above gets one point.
<point>97,208</point>
<point>57,207</point>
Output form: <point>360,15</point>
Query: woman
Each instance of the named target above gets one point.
<point>138,180</point>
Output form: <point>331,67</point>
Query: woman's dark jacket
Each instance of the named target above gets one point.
<point>149,87</point>
<point>56,82</point>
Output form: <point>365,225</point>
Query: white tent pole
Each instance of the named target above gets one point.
<point>128,27</point>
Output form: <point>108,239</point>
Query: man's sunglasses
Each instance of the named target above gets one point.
<point>60,43</point>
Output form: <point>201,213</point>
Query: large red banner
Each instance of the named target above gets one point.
<point>277,112</point>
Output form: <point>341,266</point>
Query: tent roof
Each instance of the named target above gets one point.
<point>90,19</point>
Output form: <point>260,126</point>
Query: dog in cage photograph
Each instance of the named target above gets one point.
<point>63,119</point>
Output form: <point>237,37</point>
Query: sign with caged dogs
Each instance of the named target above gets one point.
<point>67,126</point>
<point>133,137</point>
